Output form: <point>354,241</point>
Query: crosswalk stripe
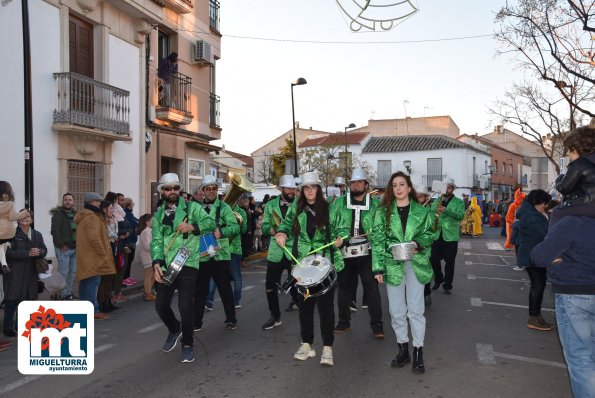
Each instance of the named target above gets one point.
<point>494,246</point>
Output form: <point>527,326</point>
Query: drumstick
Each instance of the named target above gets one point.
<point>293,258</point>
<point>174,238</point>
<point>325,246</point>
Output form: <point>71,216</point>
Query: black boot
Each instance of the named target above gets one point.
<point>418,360</point>
<point>104,307</point>
<point>402,357</point>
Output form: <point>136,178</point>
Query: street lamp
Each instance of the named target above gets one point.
<point>300,81</point>
<point>351,126</point>
<point>492,170</point>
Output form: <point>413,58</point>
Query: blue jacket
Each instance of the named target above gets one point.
<point>532,228</point>
<point>570,243</point>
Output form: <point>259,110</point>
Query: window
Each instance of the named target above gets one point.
<point>474,167</point>
<point>163,45</point>
<point>486,169</point>
<point>80,51</point>
<point>384,171</point>
<point>496,167</point>
<point>214,14</point>
<point>84,177</point>
<point>511,165</point>
<point>503,169</point>
<point>196,170</point>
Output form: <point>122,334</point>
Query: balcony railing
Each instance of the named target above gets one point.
<point>86,102</point>
<point>214,112</point>
<point>214,14</point>
<point>174,94</point>
<point>428,179</point>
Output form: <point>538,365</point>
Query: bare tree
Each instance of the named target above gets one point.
<point>264,168</point>
<point>323,159</point>
<point>554,39</point>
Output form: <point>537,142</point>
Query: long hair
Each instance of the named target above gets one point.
<point>6,193</point>
<point>389,195</point>
<point>142,222</point>
<point>320,206</point>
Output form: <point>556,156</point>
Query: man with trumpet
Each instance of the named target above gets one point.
<point>449,211</point>
<point>217,265</point>
<point>173,223</point>
<point>277,261</point>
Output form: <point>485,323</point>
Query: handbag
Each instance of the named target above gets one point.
<point>54,282</point>
<point>41,265</point>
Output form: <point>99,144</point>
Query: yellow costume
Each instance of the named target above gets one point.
<point>476,216</point>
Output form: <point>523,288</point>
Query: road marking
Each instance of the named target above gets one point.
<point>494,265</point>
<point>487,356</point>
<point>18,383</point>
<point>478,302</point>
<point>247,288</point>
<point>465,245</point>
<point>482,254</point>
<point>150,327</point>
<point>494,246</point>
<point>504,260</point>
<point>263,281</point>
<point>103,348</point>
<point>471,276</point>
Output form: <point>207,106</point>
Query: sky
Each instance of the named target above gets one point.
<point>352,83</point>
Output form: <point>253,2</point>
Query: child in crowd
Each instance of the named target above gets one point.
<point>8,216</point>
<point>578,184</point>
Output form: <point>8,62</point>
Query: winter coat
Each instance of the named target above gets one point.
<point>272,219</point>
<point>143,247</point>
<point>235,246</point>
<point>62,233</point>
<point>418,229</point>
<point>305,244</point>
<point>21,283</point>
<point>228,226</point>
<point>569,253</point>
<point>163,235</point>
<point>532,228</point>
<point>450,220</point>
<point>578,184</point>
<point>366,216</point>
<point>514,206</point>
<point>133,222</point>
<point>94,253</point>
<point>8,216</point>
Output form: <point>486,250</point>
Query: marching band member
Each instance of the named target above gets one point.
<point>312,224</point>
<point>449,211</point>
<point>400,219</point>
<point>357,209</point>
<point>277,260</point>
<point>423,198</point>
<point>217,267</point>
<point>172,223</point>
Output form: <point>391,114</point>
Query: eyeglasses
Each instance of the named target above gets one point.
<point>175,188</point>
<point>310,188</point>
<point>209,189</point>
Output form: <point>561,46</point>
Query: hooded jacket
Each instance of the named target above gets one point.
<point>94,253</point>
<point>514,206</point>
<point>578,184</point>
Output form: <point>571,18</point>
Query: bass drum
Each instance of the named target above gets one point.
<point>315,276</point>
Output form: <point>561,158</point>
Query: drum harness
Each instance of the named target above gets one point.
<point>358,209</point>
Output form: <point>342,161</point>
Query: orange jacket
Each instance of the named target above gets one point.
<point>518,199</point>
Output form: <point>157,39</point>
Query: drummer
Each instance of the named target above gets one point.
<point>357,209</point>
<point>173,221</point>
<point>277,260</point>
<point>217,267</point>
<point>311,225</point>
<point>400,219</point>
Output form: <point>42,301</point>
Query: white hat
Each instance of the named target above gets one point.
<point>298,181</point>
<point>169,179</point>
<point>310,178</point>
<point>340,181</point>
<point>449,181</point>
<point>359,174</point>
<point>419,188</point>
<point>287,181</point>
<point>208,180</point>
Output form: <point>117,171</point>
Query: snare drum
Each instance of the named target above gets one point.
<point>357,250</point>
<point>208,245</point>
<point>315,276</point>
<point>174,268</point>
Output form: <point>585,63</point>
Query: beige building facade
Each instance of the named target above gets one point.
<point>430,125</point>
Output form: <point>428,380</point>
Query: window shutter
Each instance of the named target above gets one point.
<point>81,47</point>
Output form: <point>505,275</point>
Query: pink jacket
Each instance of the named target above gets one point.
<point>8,216</point>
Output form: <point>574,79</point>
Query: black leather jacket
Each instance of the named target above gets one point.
<point>578,184</point>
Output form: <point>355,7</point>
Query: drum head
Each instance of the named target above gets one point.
<point>314,269</point>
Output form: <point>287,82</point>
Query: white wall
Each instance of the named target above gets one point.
<point>124,72</point>
<point>44,22</point>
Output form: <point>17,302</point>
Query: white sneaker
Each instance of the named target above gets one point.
<point>305,351</point>
<point>327,356</point>
<point>517,268</point>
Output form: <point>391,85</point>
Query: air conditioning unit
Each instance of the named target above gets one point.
<point>202,53</point>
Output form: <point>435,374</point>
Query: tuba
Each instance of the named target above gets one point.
<point>238,185</point>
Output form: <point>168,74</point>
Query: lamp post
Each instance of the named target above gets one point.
<point>300,81</point>
<point>329,157</point>
<point>492,170</point>
<point>351,126</point>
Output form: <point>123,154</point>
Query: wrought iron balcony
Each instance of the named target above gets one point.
<point>214,111</point>
<point>91,104</point>
<point>214,14</point>
<point>173,98</point>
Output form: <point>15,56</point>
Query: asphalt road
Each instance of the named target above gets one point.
<point>477,345</point>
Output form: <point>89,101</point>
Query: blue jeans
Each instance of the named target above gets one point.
<point>88,290</point>
<point>67,267</point>
<point>576,327</point>
<point>236,274</point>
